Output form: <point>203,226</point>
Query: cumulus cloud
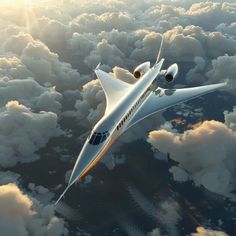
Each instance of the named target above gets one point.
<point>192,41</point>
<point>50,31</point>
<point>123,75</point>
<point>105,53</point>
<point>197,73</point>
<point>129,45</point>
<point>41,193</point>
<point>12,67</point>
<point>16,43</point>
<point>36,60</point>
<point>147,47</point>
<point>123,40</point>
<point>208,232</point>
<point>47,60</point>
<point>24,132</point>
<point>81,40</point>
<point>205,152</point>
<point>227,29</point>
<point>27,215</point>
<point>30,93</point>
<point>91,106</point>
<point>181,46</point>
<point>7,177</point>
<point>82,44</point>
<point>182,43</point>
<point>223,68</point>
<point>46,67</point>
<point>230,119</point>
<point>210,14</point>
<point>105,22</point>
<point>205,14</point>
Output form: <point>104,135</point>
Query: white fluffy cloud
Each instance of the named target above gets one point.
<point>205,152</point>
<point>82,44</point>
<point>223,68</point>
<point>12,67</point>
<point>105,53</point>
<point>17,43</point>
<point>51,31</point>
<point>40,55</point>
<point>208,232</point>
<point>105,22</point>
<point>210,14</point>
<point>230,119</point>
<point>196,74</point>
<point>85,35</point>
<point>227,29</point>
<point>91,106</point>
<point>24,132</point>
<point>36,60</point>
<point>23,216</point>
<point>123,75</point>
<point>46,67</point>
<point>191,41</point>
<point>205,14</point>
<point>30,93</point>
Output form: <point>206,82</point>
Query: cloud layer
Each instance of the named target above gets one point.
<point>46,77</point>
<point>24,132</point>
<point>208,232</point>
<point>23,216</point>
<point>206,152</point>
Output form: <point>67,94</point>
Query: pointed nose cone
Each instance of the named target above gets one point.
<point>84,162</point>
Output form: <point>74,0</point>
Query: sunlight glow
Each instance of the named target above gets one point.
<point>15,2</point>
<point>26,9</point>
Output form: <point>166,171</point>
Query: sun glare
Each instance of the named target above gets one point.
<point>16,2</point>
<point>26,9</point>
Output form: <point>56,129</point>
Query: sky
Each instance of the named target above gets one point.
<point>50,97</point>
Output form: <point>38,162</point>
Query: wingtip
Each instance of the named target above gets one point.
<point>229,84</point>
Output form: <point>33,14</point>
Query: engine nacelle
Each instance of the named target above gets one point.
<point>141,69</point>
<point>171,73</point>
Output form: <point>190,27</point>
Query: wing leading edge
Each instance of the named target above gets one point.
<point>164,98</point>
<point>114,88</point>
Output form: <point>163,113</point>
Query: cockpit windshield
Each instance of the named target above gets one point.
<point>97,138</point>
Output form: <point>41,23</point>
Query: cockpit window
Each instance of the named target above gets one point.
<point>97,138</point>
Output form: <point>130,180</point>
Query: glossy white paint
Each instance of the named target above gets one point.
<point>172,70</point>
<point>127,105</point>
<point>140,70</point>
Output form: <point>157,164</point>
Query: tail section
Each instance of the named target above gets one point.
<point>159,55</point>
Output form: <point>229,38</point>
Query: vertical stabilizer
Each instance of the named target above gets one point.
<point>159,55</point>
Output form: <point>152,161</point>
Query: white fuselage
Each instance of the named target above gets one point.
<point>114,123</point>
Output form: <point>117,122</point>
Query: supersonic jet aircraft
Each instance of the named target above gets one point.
<point>127,104</point>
